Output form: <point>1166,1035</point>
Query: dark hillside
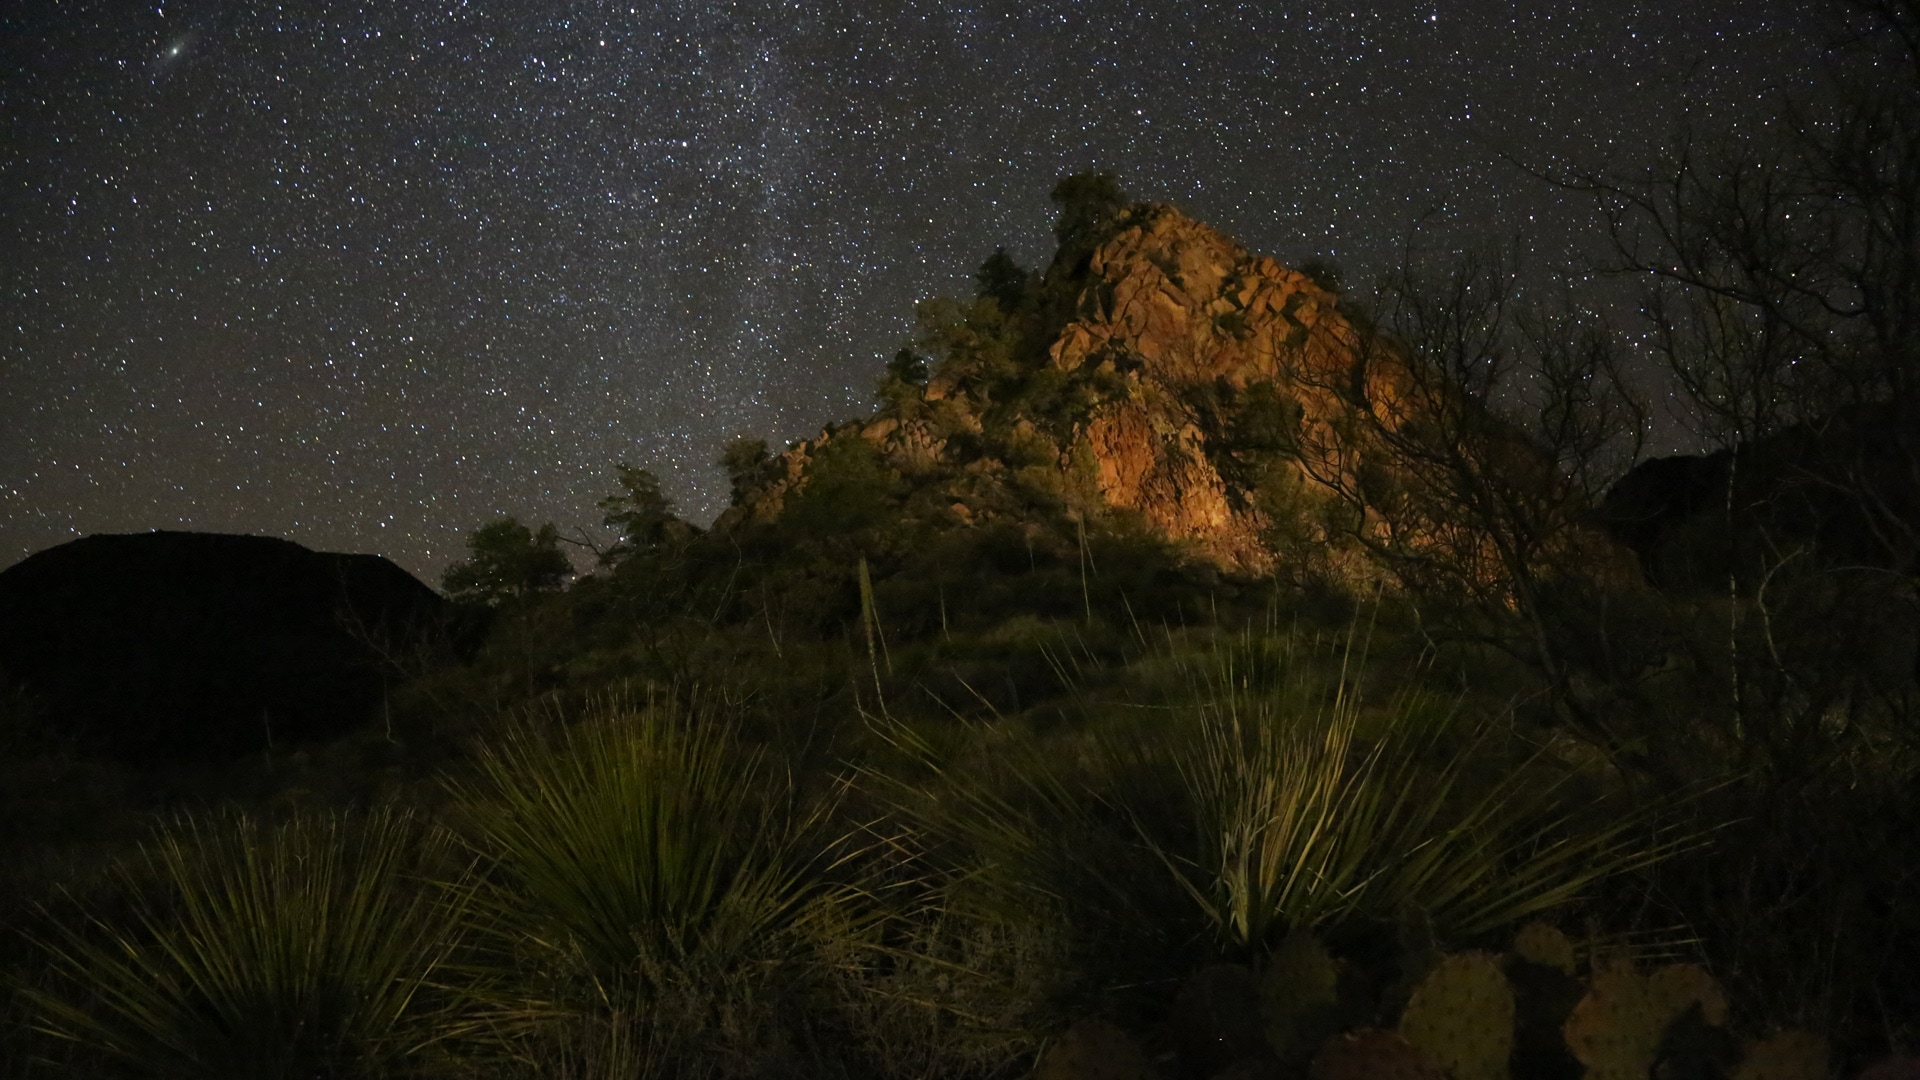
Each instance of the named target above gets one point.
<point>202,644</point>
<point>1842,491</point>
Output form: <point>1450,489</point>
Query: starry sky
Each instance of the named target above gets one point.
<point>370,275</point>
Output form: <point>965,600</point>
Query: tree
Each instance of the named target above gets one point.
<point>508,561</point>
<point>1090,203</point>
<point>641,514</point>
<point>745,460</point>
<point>1001,280</point>
<point>1780,276</point>
<point>1475,432</point>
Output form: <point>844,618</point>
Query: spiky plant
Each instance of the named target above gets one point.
<point>1279,802</point>
<point>1301,823</point>
<point>290,950</point>
<point>648,881</point>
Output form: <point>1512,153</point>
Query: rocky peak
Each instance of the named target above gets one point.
<point>1172,376</point>
<point>1196,322</point>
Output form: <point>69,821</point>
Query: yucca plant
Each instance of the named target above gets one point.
<point>1026,827</point>
<point>1300,823</point>
<point>647,879</point>
<point>292,950</point>
<point>1277,801</point>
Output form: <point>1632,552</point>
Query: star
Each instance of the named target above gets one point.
<point>369,277</point>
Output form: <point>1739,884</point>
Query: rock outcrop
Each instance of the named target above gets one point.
<point>1843,491</point>
<point>1172,376</point>
<point>205,645</point>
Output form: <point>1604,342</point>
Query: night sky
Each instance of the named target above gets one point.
<point>367,276</point>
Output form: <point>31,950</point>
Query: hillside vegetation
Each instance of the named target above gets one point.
<point>1190,668</point>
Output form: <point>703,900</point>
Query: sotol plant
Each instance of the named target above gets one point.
<point>274,951</point>
<point>645,879</point>
<point>1302,824</point>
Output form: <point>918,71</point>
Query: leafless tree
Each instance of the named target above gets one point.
<point>1478,425</point>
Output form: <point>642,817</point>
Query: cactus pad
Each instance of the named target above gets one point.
<point>1461,1017</point>
<point>1678,987</point>
<point>1372,1055</point>
<point>1788,1055</point>
<point>1299,997</point>
<point>1093,1049</point>
<point>1616,1030</point>
<point>1540,943</point>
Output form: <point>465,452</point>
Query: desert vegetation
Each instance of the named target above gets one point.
<point>932,758</point>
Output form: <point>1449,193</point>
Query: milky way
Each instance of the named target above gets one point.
<point>368,276</point>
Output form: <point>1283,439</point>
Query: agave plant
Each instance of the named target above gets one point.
<point>293,950</point>
<point>645,876</point>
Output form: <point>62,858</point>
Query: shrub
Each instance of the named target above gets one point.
<point>1300,823</point>
<point>652,890</point>
<point>296,950</point>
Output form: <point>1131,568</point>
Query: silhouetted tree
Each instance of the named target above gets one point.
<point>1089,202</point>
<point>1781,285</point>
<point>508,561</point>
<point>1782,274</point>
<point>745,460</point>
<point>1002,280</point>
<point>1476,432</point>
<point>640,513</point>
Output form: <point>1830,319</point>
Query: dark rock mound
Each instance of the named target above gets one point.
<point>198,644</point>
<point>1652,506</point>
<point>1844,491</point>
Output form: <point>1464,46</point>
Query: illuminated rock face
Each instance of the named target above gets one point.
<point>1173,328</point>
<point>1183,310</point>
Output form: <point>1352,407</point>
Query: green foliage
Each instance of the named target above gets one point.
<point>1301,825</point>
<point>909,367</point>
<point>902,389</point>
<point>273,951</point>
<point>645,873</point>
<point>508,561</point>
<point>1265,422</point>
<point>849,487</point>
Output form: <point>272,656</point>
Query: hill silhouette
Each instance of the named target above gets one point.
<point>204,644</point>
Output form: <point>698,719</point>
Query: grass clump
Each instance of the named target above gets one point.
<point>654,892</point>
<point>1303,821</point>
<point>292,950</point>
<point>1257,796</point>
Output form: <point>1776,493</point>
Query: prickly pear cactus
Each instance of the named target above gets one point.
<point>1215,1020</point>
<point>1299,997</point>
<point>1615,1030</point>
<point>1678,987</point>
<point>1093,1049</point>
<point>1461,1017</point>
<point>1372,1055</point>
<point>1543,944</point>
<point>1787,1055</point>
